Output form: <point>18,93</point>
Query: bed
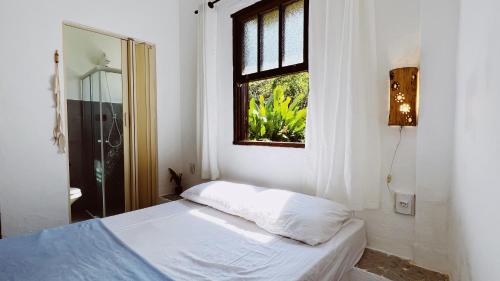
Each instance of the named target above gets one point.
<point>196,242</point>
<point>183,240</point>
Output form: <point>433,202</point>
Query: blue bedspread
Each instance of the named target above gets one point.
<point>82,251</point>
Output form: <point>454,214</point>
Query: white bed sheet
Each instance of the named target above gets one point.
<point>188,241</point>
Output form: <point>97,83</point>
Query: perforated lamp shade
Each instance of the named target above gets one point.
<point>403,98</point>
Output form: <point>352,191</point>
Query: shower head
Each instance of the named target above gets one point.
<point>104,61</point>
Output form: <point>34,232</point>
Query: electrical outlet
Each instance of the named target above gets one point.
<point>192,168</point>
<point>405,203</point>
<point>389,179</point>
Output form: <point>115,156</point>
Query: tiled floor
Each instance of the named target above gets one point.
<point>395,268</point>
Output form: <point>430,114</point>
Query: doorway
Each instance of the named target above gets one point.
<point>111,116</point>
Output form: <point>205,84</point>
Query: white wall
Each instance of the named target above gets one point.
<point>435,131</point>
<point>474,227</point>
<point>33,177</point>
<point>398,45</point>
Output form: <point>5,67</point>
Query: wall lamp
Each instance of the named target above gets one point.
<point>403,99</point>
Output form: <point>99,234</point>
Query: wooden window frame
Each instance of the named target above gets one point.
<point>240,81</point>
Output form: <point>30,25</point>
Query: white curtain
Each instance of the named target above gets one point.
<point>343,113</point>
<point>207,92</point>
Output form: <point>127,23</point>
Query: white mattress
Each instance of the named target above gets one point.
<point>188,241</point>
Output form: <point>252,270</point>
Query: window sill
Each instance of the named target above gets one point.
<point>269,143</point>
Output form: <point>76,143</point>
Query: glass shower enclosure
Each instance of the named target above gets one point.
<point>102,134</point>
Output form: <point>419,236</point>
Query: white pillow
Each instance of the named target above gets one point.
<point>228,197</point>
<point>309,219</point>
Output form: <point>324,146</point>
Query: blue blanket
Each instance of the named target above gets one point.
<point>82,251</point>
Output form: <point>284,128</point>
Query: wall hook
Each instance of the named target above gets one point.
<point>56,57</point>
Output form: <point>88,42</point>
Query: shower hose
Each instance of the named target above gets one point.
<point>114,123</point>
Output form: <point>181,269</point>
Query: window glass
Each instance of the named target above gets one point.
<point>270,42</point>
<point>294,33</point>
<point>250,47</point>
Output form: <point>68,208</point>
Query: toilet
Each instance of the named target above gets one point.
<point>74,194</point>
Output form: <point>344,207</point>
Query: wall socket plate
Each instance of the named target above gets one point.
<point>404,203</point>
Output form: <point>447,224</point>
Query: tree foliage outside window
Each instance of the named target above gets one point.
<point>278,108</point>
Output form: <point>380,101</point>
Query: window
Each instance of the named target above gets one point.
<point>270,64</point>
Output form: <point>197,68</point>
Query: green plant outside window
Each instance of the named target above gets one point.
<point>278,108</point>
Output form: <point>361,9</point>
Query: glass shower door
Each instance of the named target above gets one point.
<point>103,132</point>
<point>92,151</point>
<point>112,146</point>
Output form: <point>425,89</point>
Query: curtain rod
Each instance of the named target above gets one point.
<point>211,5</point>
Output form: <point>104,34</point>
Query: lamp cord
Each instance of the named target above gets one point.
<point>389,175</point>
